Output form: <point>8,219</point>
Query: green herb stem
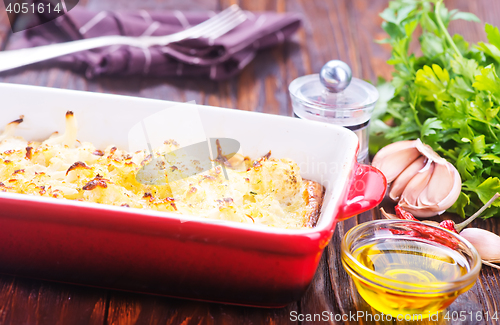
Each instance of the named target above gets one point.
<point>447,153</point>
<point>415,115</point>
<point>444,29</point>
<point>464,224</point>
<point>492,133</point>
<point>496,126</point>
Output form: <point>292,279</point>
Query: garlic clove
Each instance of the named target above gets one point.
<point>440,185</point>
<point>410,197</point>
<point>440,193</point>
<point>394,158</point>
<point>427,151</point>
<point>393,148</point>
<point>454,193</point>
<point>402,180</point>
<point>416,185</point>
<point>486,243</point>
<point>420,211</point>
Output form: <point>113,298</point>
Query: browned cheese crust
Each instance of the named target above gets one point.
<point>314,199</point>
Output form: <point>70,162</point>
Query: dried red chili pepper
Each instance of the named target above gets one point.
<point>421,231</point>
<point>414,229</point>
<point>405,215</point>
<point>428,233</point>
<point>448,224</point>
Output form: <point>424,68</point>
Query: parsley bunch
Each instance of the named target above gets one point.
<point>447,93</point>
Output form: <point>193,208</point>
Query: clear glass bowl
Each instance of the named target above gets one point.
<point>403,267</point>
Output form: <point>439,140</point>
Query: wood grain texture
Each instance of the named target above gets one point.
<point>332,29</point>
<point>24,301</point>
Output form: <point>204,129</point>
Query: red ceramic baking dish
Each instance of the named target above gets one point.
<point>171,254</point>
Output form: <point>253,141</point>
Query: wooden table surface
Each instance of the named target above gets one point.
<point>333,29</point>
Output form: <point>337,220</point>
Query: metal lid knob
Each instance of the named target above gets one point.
<point>335,75</point>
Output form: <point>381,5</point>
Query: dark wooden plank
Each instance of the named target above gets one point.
<point>128,308</point>
<point>24,301</point>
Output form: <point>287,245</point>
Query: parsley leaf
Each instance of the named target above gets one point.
<point>447,93</point>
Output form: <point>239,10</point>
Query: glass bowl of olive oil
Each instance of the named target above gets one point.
<point>403,267</point>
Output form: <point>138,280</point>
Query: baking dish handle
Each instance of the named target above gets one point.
<point>366,191</point>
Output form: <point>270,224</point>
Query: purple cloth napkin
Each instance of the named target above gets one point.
<point>219,59</point>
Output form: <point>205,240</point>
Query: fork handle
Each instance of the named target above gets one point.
<point>17,58</point>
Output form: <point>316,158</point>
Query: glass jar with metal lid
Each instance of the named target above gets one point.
<point>333,96</point>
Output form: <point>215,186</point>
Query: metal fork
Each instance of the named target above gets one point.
<point>212,28</point>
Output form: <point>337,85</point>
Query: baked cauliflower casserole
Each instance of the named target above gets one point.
<point>266,191</point>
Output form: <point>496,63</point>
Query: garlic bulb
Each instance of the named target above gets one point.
<point>424,183</point>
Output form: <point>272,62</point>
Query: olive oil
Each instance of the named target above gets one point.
<point>414,264</point>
